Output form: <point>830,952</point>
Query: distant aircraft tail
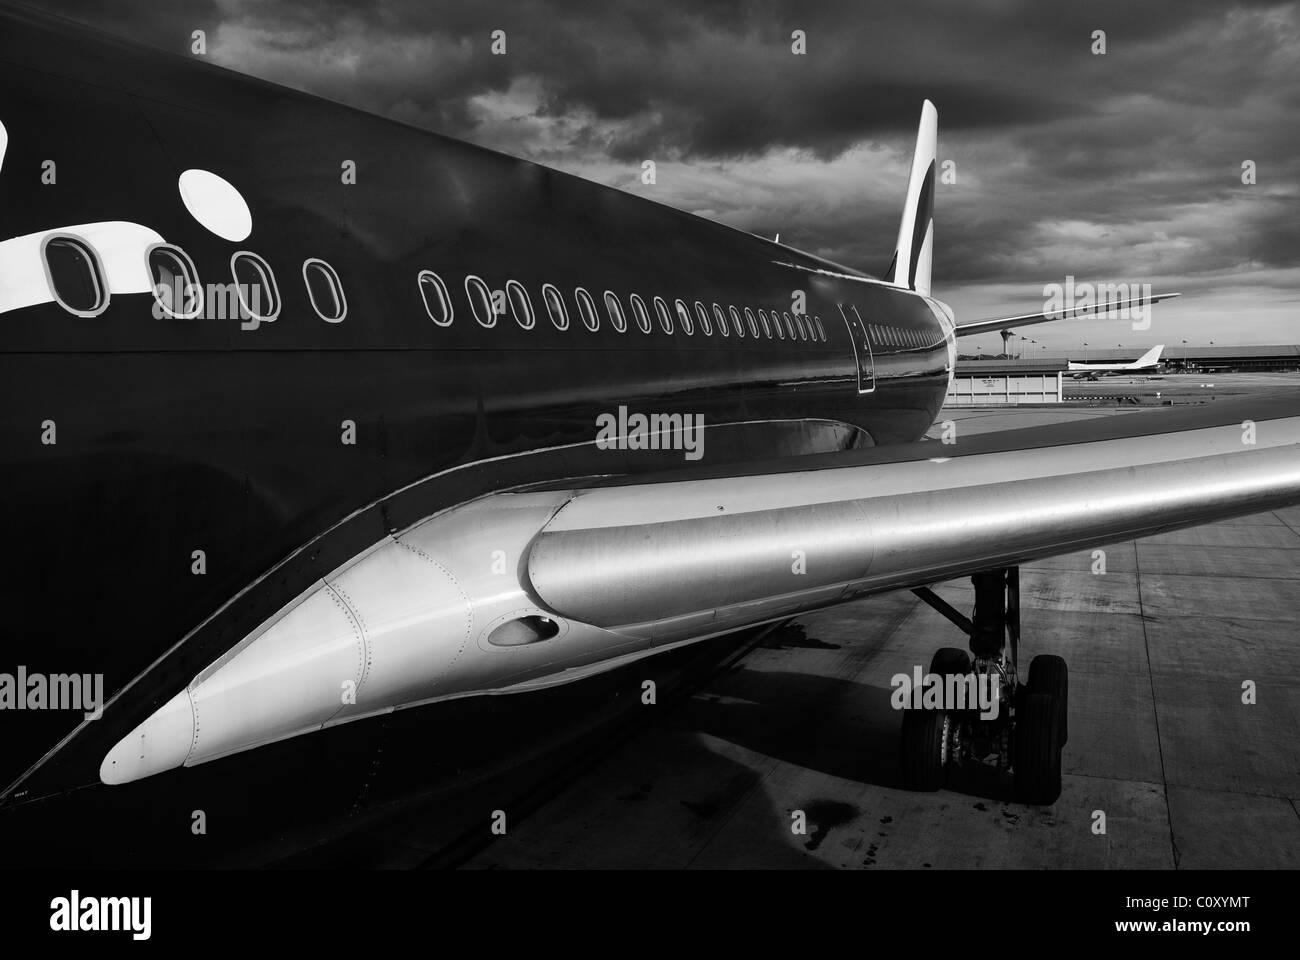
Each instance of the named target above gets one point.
<point>1150,358</point>
<point>915,250</point>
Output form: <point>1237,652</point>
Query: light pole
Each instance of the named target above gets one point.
<point>1085,351</point>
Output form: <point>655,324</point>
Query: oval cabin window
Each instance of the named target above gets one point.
<point>615,310</point>
<point>684,318</point>
<point>255,286</point>
<point>587,307</point>
<point>175,282</point>
<point>480,301</point>
<point>642,313</point>
<point>324,290</point>
<point>555,307</point>
<point>437,301</point>
<point>665,318</point>
<point>75,277</point>
<point>702,315</point>
<point>521,305</point>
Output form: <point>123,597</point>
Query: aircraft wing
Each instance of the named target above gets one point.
<point>995,324</point>
<point>711,547</point>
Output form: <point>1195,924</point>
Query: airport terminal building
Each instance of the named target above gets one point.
<point>1009,382</point>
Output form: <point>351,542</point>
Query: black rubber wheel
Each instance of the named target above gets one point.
<point>1048,675</point>
<point>1038,750</point>
<point>924,749</point>
<point>948,661</point>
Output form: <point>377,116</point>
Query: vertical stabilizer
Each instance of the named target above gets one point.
<point>915,249</point>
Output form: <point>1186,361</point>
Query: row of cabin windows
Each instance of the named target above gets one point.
<point>77,282</point>
<point>76,279</point>
<point>888,336</point>
<point>740,322</point>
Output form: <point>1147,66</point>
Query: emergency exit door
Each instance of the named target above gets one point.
<point>861,348</point>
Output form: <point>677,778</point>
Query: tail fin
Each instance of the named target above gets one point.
<point>1149,358</point>
<point>915,250</point>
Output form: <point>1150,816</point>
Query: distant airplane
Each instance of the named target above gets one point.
<point>1148,361</point>
<point>448,445</point>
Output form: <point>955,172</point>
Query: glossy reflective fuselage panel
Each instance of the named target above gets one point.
<point>176,436</point>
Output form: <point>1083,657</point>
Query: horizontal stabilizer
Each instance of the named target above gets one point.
<point>1104,309</point>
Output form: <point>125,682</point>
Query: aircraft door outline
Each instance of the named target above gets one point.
<point>862,353</point>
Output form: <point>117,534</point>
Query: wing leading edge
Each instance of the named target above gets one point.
<point>649,556</point>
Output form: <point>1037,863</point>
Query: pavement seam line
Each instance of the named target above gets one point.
<point>1155,710</point>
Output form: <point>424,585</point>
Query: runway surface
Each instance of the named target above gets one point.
<point>1162,746</point>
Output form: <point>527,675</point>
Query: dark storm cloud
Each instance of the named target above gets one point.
<point>1066,162</point>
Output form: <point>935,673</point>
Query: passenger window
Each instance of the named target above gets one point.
<point>665,320</point>
<point>642,313</point>
<point>480,301</point>
<point>684,318</point>
<point>521,305</point>
<point>555,306</point>
<point>255,286</point>
<point>821,331</point>
<point>776,325</point>
<point>75,277</point>
<point>587,307</point>
<point>437,301</point>
<point>736,323</point>
<point>175,282</point>
<point>615,310</point>
<point>721,320</point>
<point>324,290</point>
<point>753,324</point>
<point>702,315</point>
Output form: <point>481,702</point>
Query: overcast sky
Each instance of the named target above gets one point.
<point>1122,167</point>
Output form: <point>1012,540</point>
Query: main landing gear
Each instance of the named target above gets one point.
<point>1013,725</point>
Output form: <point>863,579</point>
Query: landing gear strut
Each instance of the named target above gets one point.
<point>988,715</point>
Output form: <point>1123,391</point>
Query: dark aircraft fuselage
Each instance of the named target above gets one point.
<point>173,436</point>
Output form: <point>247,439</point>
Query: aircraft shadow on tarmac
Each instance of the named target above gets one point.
<point>834,726</point>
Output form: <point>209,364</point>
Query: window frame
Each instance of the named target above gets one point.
<point>333,276</point>
<point>703,320</point>
<point>589,320</point>
<point>192,272</point>
<point>269,274</point>
<point>720,319</point>
<point>528,302</point>
<point>614,310</point>
<point>444,295</point>
<point>738,325</point>
<point>492,311</point>
<point>97,273</point>
<point>664,315</point>
<point>685,322</point>
<point>642,313</point>
<point>564,309</point>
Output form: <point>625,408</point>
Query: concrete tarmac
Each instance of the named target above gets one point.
<point>1166,766</point>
